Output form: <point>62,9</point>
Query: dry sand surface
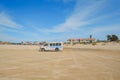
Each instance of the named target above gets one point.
<point>18,62</point>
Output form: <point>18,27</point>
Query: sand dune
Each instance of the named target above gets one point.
<point>102,45</point>
<point>25,62</point>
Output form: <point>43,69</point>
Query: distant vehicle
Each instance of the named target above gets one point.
<point>54,46</point>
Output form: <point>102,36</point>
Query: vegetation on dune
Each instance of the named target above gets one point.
<point>94,43</point>
<point>112,38</point>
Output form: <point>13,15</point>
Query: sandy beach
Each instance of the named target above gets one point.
<point>79,62</point>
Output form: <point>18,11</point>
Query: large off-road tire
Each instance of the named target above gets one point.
<point>56,49</point>
<point>42,49</point>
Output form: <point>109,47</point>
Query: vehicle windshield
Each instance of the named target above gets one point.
<point>45,44</point>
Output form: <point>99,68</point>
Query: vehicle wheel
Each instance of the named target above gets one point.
<point>56,49</point>
<point>42,49</point>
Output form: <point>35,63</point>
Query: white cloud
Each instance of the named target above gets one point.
<point>6,21</point>
<point>10,26</point>
<point>81,12</point>
<point>108,28</point>
<point>105,16</point>
<point>100,32</point>
<point>19,31</point>
<point>4,37</point>
<point>69,24</point>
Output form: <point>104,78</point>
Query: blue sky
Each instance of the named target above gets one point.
<point>58,20</point>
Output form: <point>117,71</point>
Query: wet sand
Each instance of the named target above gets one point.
<point>23,62</point>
